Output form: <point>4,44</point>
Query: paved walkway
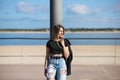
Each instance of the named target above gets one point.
<point>79,72</point>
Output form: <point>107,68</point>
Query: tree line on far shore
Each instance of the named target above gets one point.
<point>67,29</point>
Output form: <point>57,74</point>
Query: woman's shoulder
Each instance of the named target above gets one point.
<point>67,41</point>
<point>48,44</point>
<point>49,41</point>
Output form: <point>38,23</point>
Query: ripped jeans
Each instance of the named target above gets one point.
<point>56,66</point>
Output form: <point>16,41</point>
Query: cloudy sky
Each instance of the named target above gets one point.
<point>75,13</point>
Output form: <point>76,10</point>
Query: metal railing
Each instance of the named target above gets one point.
<point>115,41</point>
<point>80,41</point>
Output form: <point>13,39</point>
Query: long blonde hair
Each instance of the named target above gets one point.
<point>56,30</point>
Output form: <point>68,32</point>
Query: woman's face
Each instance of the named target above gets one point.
<point>61,33</point>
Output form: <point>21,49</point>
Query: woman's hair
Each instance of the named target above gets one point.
<point>55,31</point>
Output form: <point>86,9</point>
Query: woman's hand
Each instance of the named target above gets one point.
<point>62,42</point>
<point>65,48</point>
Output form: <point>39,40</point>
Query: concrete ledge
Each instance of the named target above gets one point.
<point>10,60</point>
<point>83,54</point>
<point>93,60</point>
<point>94,50</point>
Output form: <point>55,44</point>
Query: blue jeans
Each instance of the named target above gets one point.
<point>56,66</point>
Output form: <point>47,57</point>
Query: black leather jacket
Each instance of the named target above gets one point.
<point>69,59</point>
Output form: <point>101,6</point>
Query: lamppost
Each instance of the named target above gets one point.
<point>55,13</point>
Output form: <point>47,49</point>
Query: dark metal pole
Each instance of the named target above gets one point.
<point>55,13</point>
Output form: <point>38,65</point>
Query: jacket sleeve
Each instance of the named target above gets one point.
<point>70,58</point>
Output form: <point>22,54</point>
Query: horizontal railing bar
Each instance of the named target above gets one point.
<point>67,38</point>
<point>27,38</point>
<point>92,38</point>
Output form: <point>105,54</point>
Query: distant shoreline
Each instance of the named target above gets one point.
<point>66,32</point>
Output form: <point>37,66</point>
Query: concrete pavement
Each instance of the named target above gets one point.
<point>79,72</point>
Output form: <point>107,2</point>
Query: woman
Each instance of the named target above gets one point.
<point>56,53</point>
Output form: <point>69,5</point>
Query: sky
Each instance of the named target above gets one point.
<point>34,14</point>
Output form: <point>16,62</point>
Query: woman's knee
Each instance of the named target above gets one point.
<point>63,72</point>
